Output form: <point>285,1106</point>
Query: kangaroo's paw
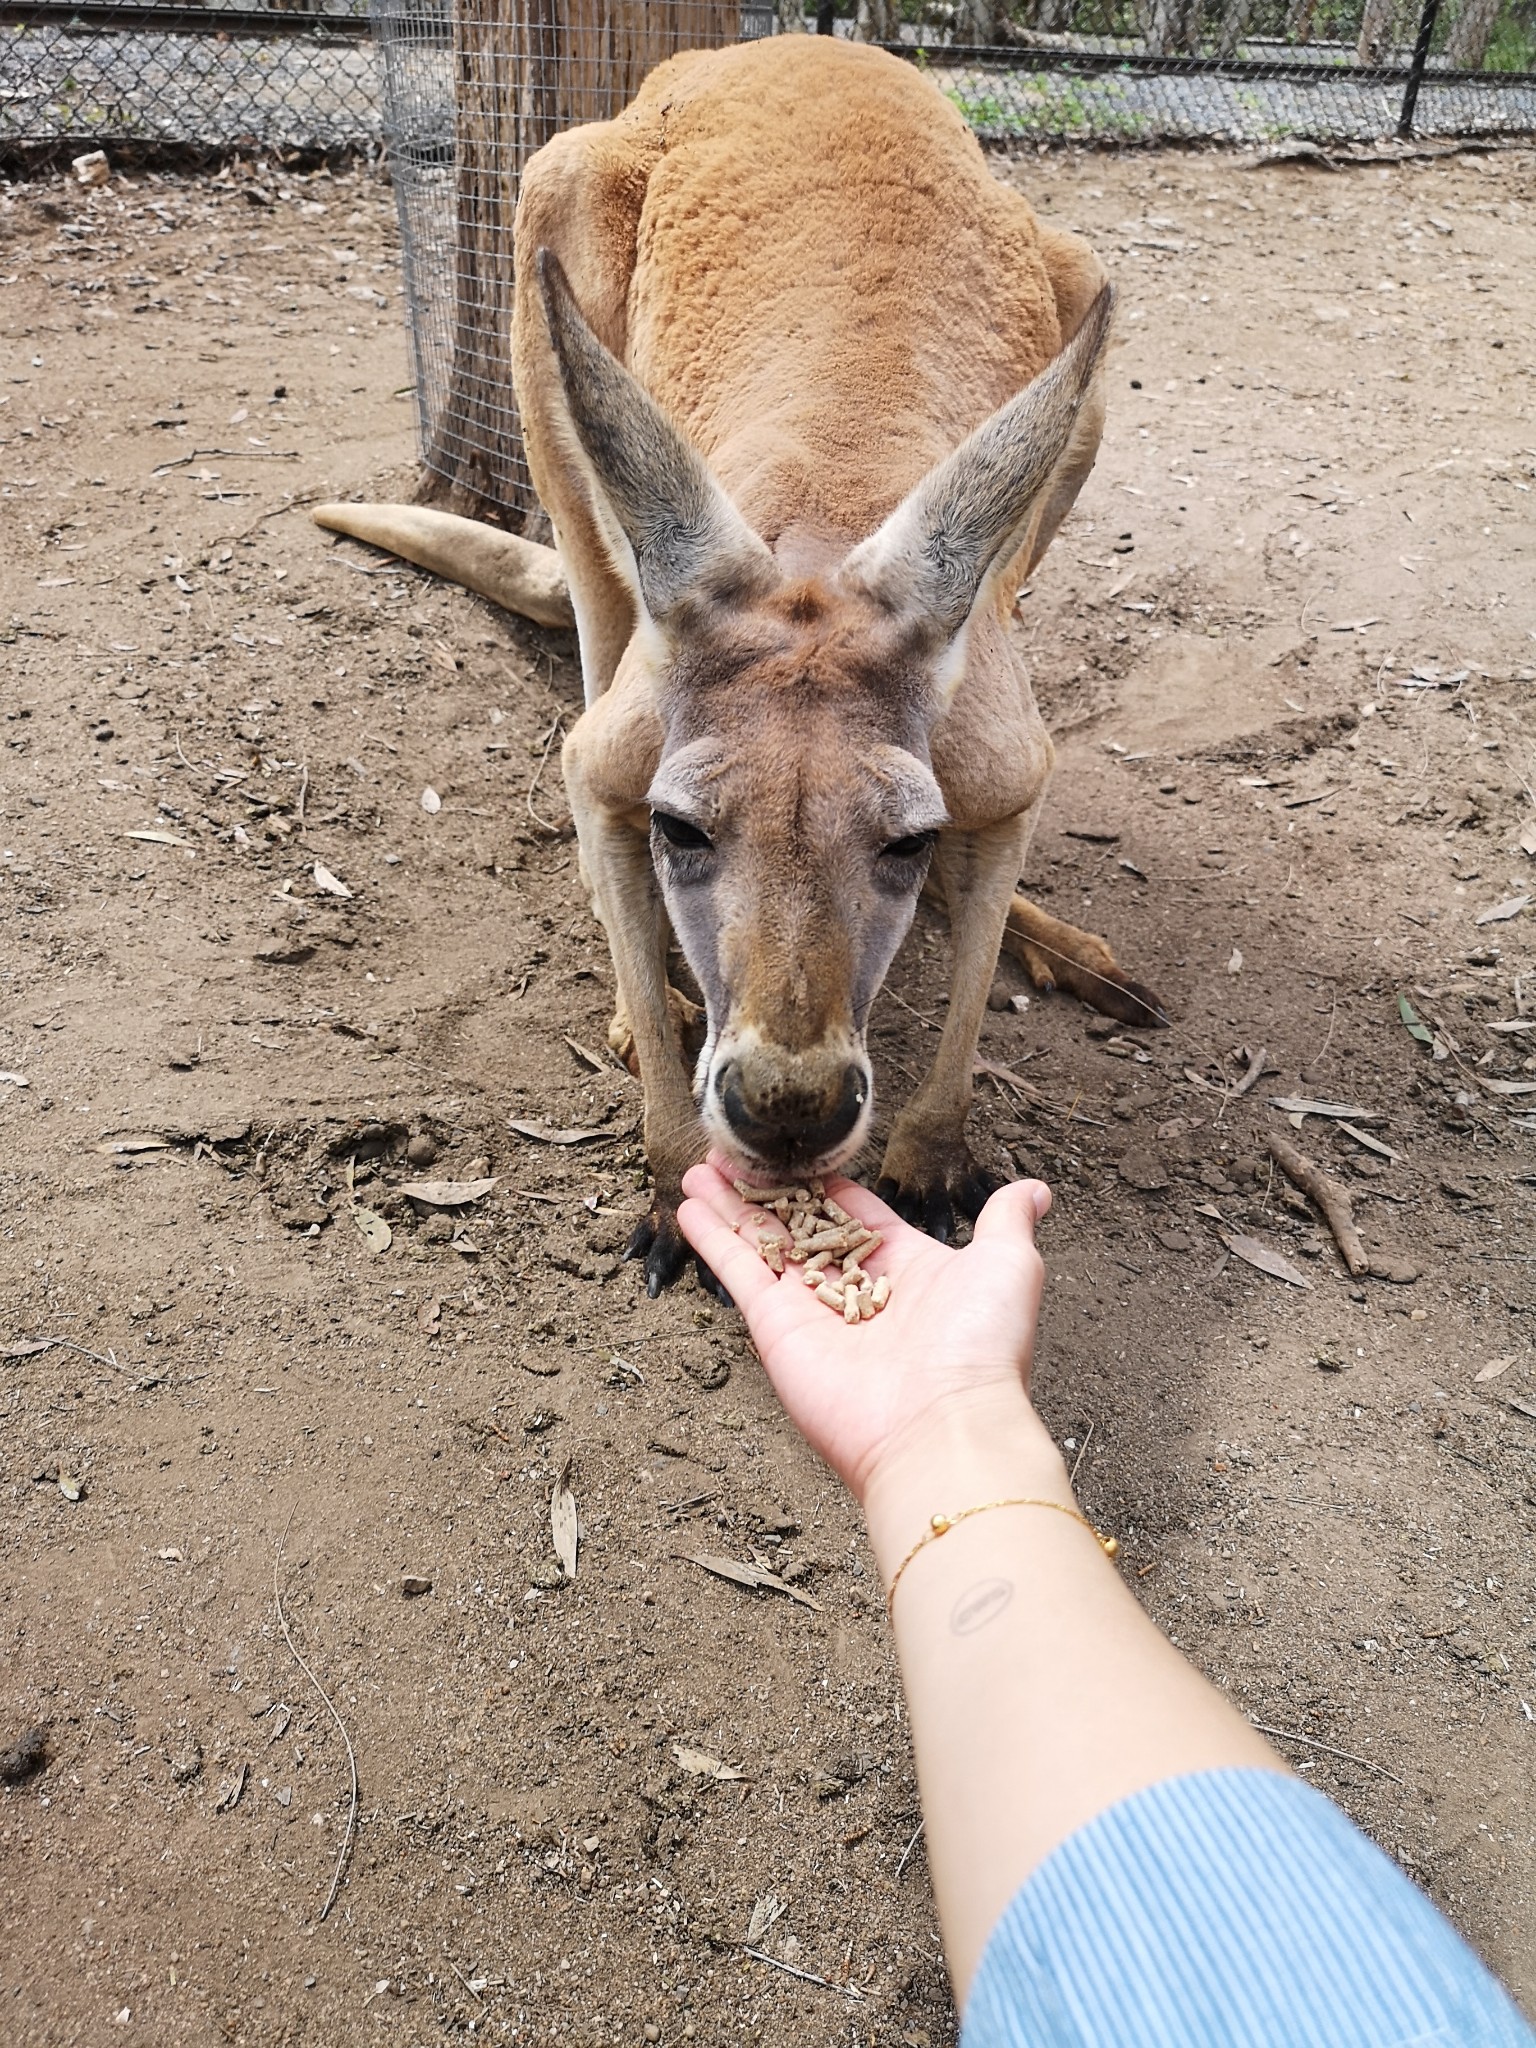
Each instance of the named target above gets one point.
<point>930,1182</point>
<point>688,1021</point>
<point>660,1243</point>
<point>1058,955</point>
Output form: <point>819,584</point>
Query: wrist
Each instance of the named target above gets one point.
<point>969,1447</point>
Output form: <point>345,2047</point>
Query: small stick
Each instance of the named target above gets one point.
<point>1082,1451</point>
<point>1255,1068</point>
<point>1294,1735</point>
<point>1330,1196</point>
<point>917,1836</point>
<point>282,1622</point>
<point>29,1347</point>
<point>549,741</point>
<point>759,1955</point>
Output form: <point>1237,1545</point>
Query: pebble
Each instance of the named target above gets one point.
<point>1141,1168</point>
<point>414,1584</point>
<point>422,1150</point>
<point>187,1763</point>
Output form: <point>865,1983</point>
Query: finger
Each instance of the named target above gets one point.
<point>735,1265</point>
<point>1011,1214</point>
<point>707,1183</point>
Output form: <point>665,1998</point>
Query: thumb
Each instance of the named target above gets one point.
<point>1012,1213</point>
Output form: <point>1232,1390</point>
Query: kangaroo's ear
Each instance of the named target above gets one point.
<point>673,534</point>
<point>931,561</point>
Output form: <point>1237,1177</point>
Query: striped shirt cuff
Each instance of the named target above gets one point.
<point>1229,1910</point>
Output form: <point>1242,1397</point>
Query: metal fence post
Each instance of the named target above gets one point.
<point>1420,58</point>
<point>826,15</point>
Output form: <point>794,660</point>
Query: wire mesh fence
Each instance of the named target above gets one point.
<point>187,79</point>
<point>472,89</point>
<point>463,92</point>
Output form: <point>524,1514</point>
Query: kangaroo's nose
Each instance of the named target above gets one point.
<point>791,1125</point>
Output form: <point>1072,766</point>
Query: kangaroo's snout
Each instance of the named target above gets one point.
<point>791,1112</point>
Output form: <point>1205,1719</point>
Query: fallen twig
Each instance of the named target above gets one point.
<point>1255,1069</point>
<point>282,1622</point>
<point>29,1347</point>
<point>1330,1196</point>
<point>759,1955</point>
<point>917,1836</point>
<point>553,831</point>
<point>1295,1735</point>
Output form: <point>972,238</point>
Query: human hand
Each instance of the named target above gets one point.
<point>957,1335</point>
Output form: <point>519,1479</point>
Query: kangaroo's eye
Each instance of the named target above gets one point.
<point>912,847</point>
<point>678,832</point>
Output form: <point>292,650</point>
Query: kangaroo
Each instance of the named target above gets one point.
<point>806,393</point>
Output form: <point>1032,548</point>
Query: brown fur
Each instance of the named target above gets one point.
<point>801,270</point>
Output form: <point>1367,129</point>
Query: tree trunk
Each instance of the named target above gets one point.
<point>1471,32</point>
<point>876,21</point>
<point>523,70</point>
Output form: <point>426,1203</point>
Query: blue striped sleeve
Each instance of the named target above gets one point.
<point>1234,1909</point>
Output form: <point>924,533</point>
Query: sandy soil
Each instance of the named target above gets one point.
<point>1317,481</point>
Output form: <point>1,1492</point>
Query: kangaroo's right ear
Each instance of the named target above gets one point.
<point>932,562</point>
<point>671,531</point>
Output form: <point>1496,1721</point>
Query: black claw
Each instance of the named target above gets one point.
<point>641,1239</point>
<point>1153,1015</point>
<point>972,1193</point>
<point>667,1258</point>
<point>939,1215</point>
<point>907,1203</point>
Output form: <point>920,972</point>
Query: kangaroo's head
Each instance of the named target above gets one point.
<point>794,806</point>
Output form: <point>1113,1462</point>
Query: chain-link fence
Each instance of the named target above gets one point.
<point>187,80</point>
<point>473,88</point>
<point>465,90</point>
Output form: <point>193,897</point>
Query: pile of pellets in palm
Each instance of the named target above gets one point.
<point>827,1245</point>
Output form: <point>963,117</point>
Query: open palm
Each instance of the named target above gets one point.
<point>959,1323</point>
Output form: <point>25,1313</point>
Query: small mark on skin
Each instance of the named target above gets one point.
<point>979,1605</point>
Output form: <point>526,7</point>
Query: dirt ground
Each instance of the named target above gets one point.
<point>1287,643</point>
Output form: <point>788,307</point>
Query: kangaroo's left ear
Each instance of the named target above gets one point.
<point>932,560</point>
<point>671,532</point>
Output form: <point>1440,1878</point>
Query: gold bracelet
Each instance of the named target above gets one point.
<point>940,1525</point>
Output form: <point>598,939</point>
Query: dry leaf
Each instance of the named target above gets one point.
<point>135,1145</point>
<point>765,1912</point>
<point>233,1786</point>
<point>1509,1087</point>
<point>557,1137</point>
<point>1501,913</point>
<point>563,1524</point>
<point>159,838</point>
<point>446,1194</point>
<point>28,1347</point>
<point>429,1317</point>
<point>331,884</point>
<point>1528,838</point>
<point>1252,1253</point>
<point>700,1765</point>
<point>16,1080</point>
<point>1493,1368</point>
<point>751,1575</point>
<point>372,1228</point>
<point>431,802</point>
<point>1299,1105</point>
<point>1371,1144</point>
<point>71,1487</point>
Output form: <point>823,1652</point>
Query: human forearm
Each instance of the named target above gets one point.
<point>1038,1692</point>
